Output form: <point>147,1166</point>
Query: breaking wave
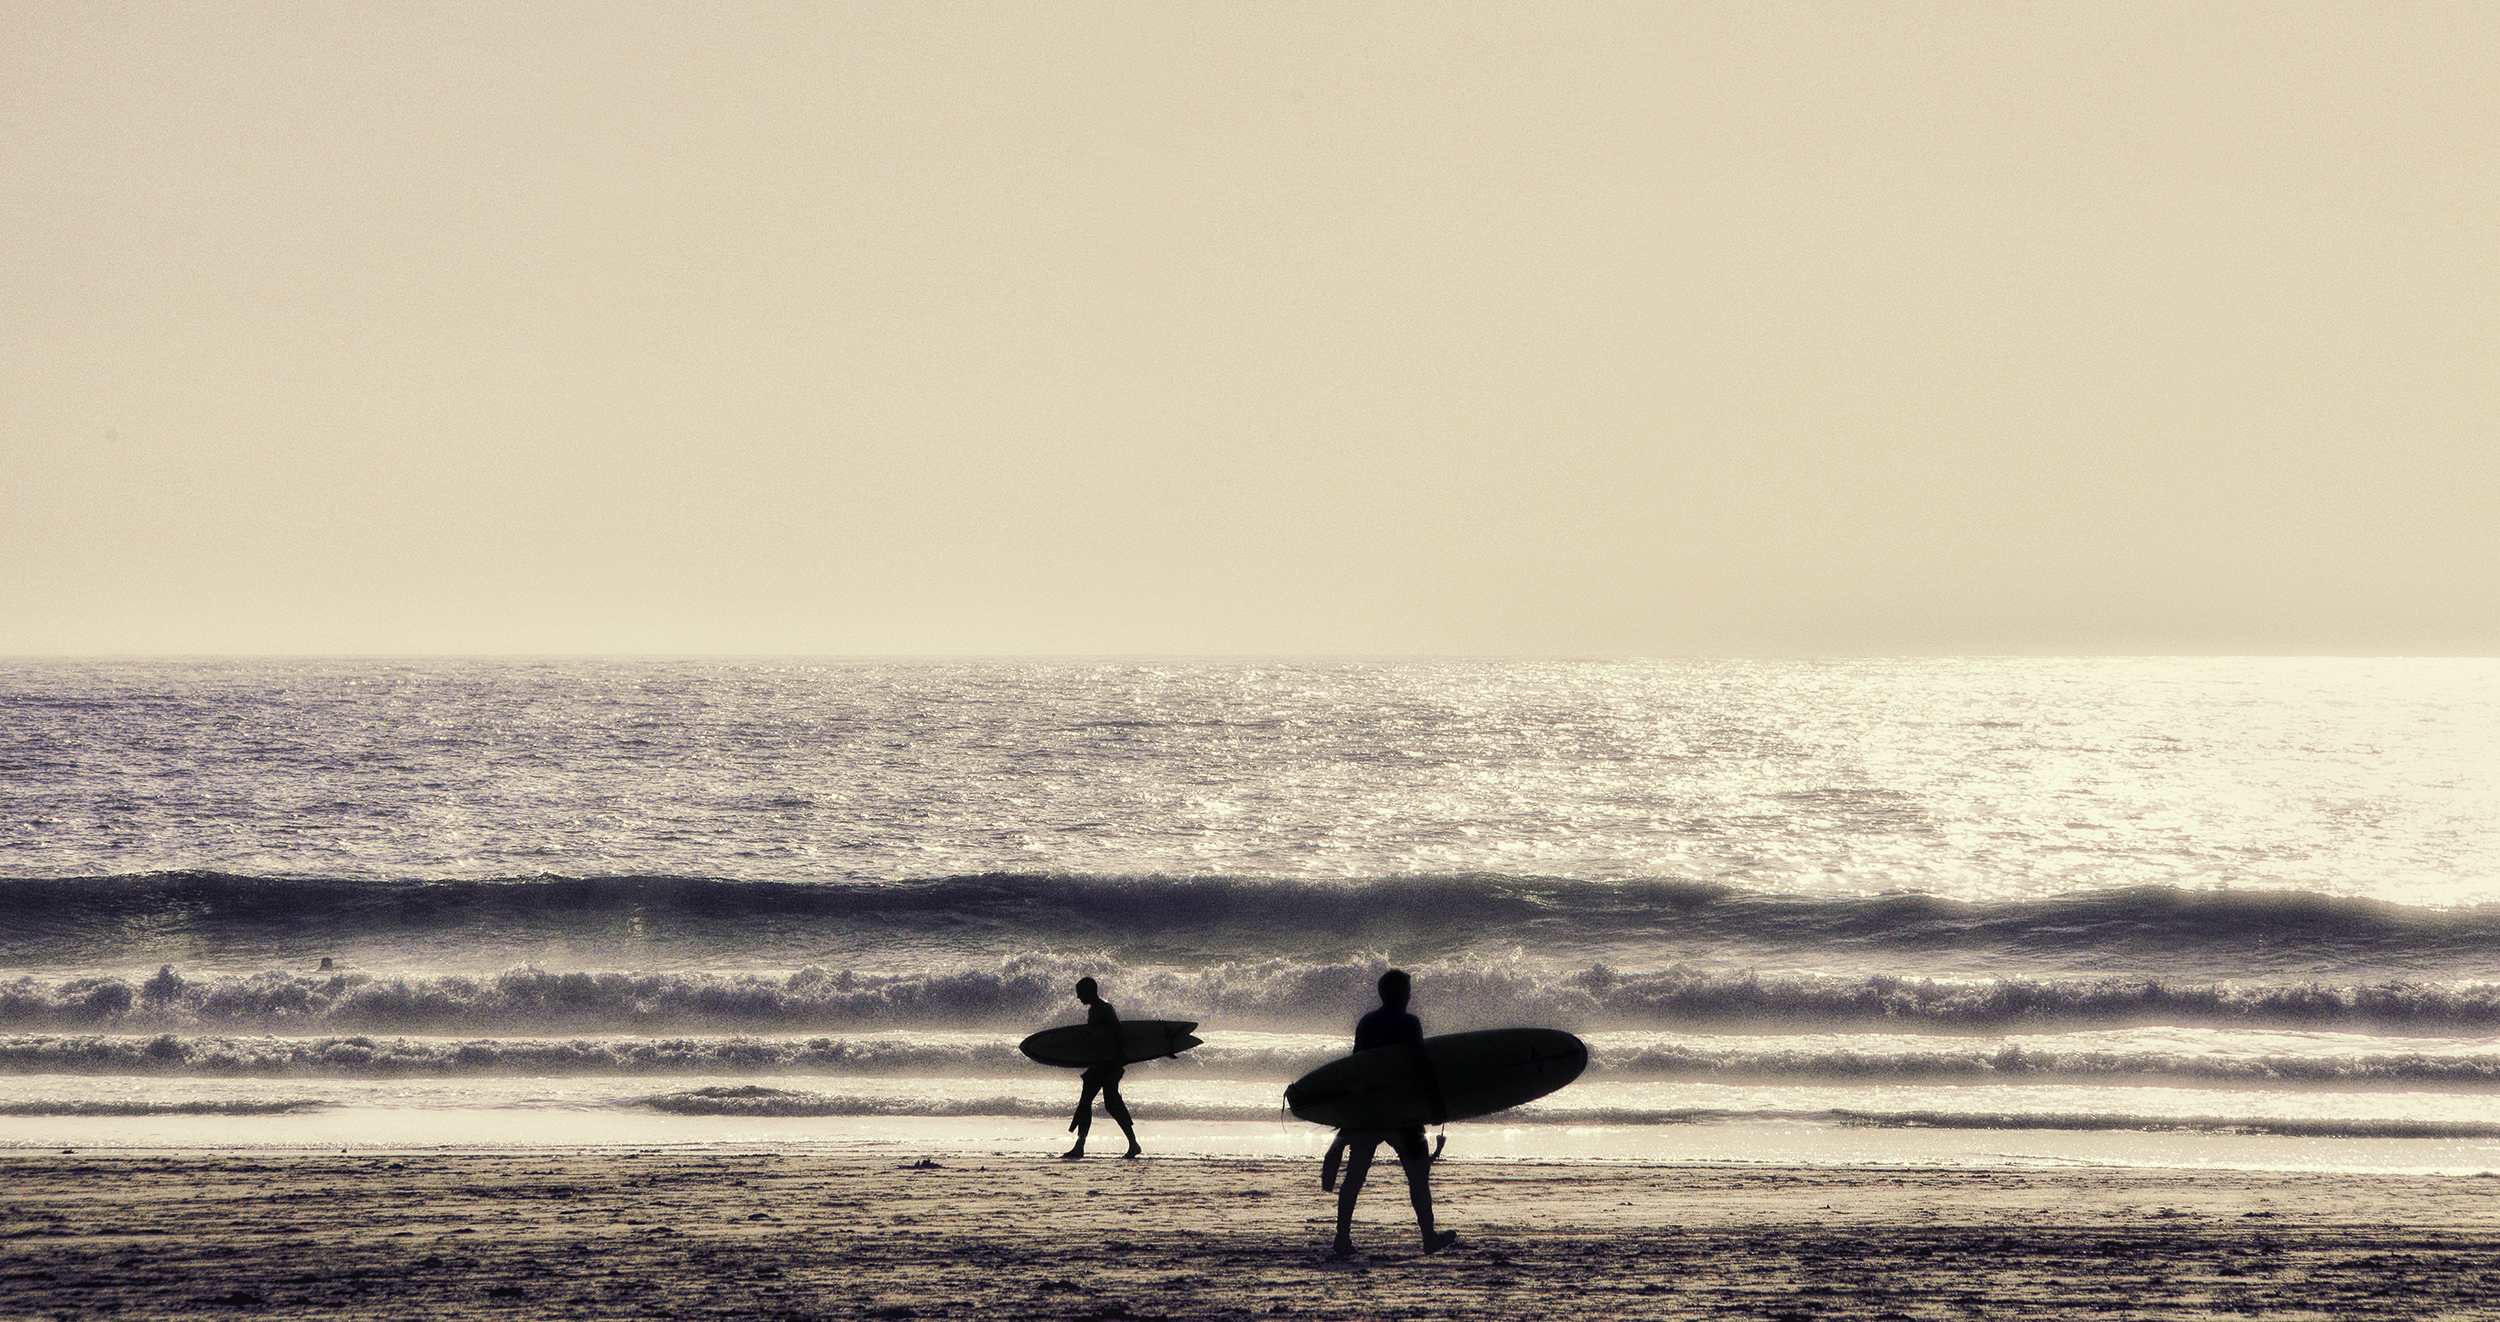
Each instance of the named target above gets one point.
<point>50,920</point>
<point>1276,993</point>
<point>1270,1060</point>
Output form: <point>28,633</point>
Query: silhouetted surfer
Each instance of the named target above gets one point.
<point>1388,1026</point>
<point>1103,1078</point>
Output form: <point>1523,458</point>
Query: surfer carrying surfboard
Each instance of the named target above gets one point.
<point>1104,1078</point>
<point>1390,1027</point>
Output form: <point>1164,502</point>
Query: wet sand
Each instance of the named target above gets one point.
<point>794,1233</point>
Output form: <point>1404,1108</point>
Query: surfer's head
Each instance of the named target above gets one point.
<point>1395,989</point>
<point>1085,990</point>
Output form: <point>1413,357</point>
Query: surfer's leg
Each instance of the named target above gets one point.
<point>1417,1159</point>
<point>1118,1110</point>
<point>1084,1121</point>
<point>1358,1163</point>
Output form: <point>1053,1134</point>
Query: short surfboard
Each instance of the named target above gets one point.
<point>1457,1076</point>
<point>1080,1046</point>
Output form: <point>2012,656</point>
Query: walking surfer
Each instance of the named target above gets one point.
<point>1388,1026</point>
<point>1103,1078</point>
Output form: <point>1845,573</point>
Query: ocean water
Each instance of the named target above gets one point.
<point>2229,911</point>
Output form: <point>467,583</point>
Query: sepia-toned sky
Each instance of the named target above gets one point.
<point>1045,328</point>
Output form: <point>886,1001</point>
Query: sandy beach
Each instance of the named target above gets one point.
<point>689,1232</point>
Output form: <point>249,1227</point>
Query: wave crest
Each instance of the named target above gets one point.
<point>1030,989</point>
<point>100,919</point>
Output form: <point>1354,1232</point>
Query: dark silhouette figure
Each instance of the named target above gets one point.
<point>1388,1026</point>
<point>1103,1078</point>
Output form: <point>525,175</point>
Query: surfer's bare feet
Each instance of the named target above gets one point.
<point>1341,1250</point>
<point>1133,1150</point>
<point>1436,1242</point>
<point>1073,1153</point>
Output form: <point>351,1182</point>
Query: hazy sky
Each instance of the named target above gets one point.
<point>1249,328</point>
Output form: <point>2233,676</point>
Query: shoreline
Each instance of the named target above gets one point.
<point>806,1232</point>
<point>1737,1143</point>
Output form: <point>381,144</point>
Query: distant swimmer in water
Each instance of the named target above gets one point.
<point>1103,1078</point>
<point>1388,1026</point>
